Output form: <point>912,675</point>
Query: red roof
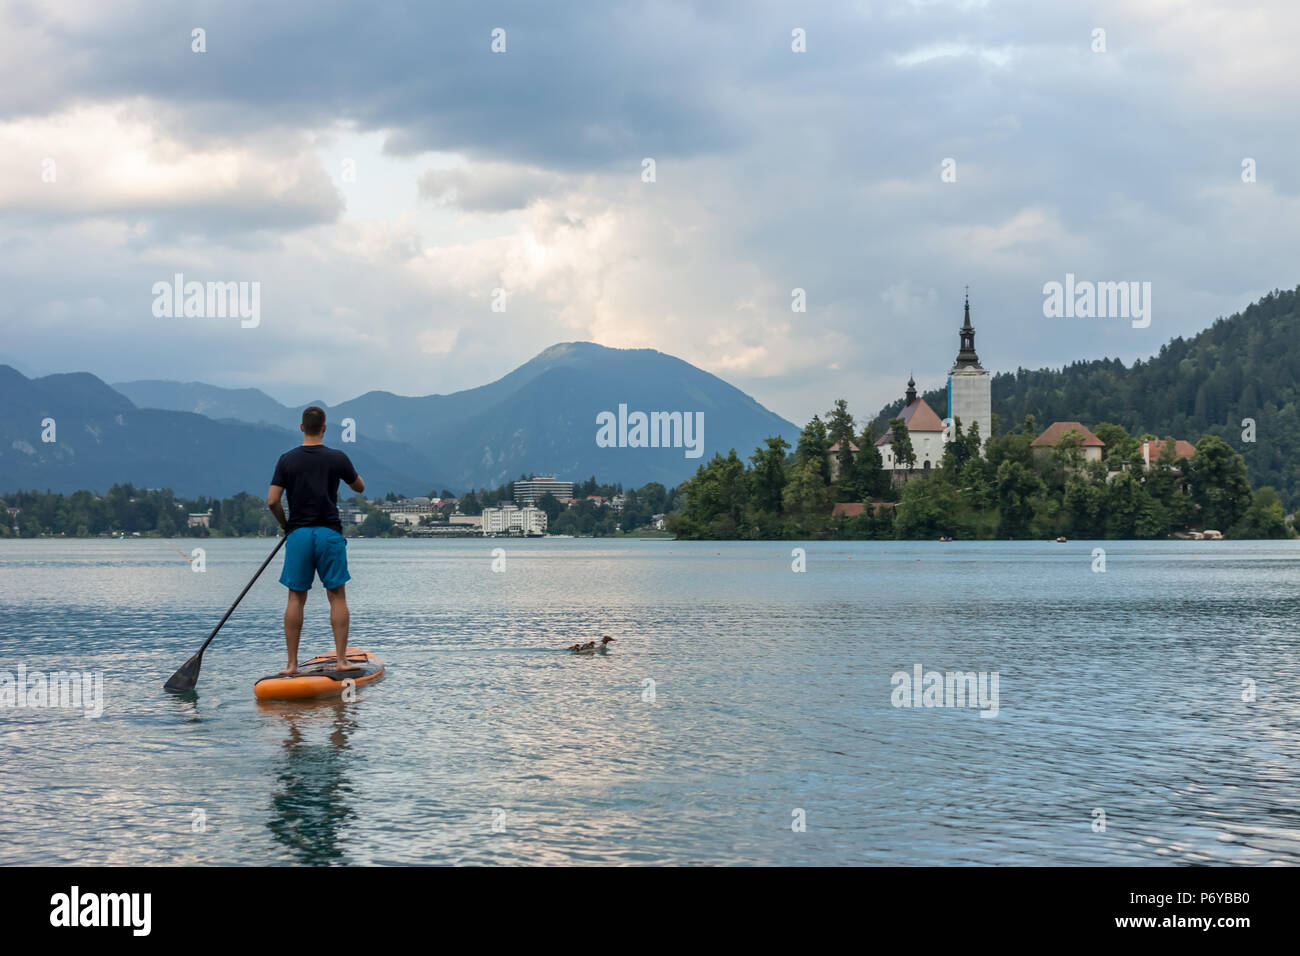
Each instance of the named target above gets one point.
<point>1182,449</point>
<point>852,447</point>
<point>918,417</point>
<point>1058,430</point>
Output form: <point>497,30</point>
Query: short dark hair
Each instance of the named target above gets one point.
<point>313,420</point>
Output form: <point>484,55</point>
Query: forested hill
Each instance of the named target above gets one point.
<point>1246,366</point>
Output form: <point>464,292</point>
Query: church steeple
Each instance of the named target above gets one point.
<point>967,357</point>
<point>911,390</point>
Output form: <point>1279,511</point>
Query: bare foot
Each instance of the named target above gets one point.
<point>289,671</point>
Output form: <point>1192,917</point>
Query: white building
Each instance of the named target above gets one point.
<point>970,386</point>
<point>924,428</point>
<point>530,489</point>
<point>509,519</point>
<point>408,506</point>
<point>351,514</point>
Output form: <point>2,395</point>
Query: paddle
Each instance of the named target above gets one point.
<point>188,676</point>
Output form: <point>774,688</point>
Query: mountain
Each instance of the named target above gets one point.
<point>103,438</point>
<point>539,418</point>
<point>242,404</point>
<point>1244,366</point>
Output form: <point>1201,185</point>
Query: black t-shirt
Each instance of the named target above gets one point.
<point>310,476</point>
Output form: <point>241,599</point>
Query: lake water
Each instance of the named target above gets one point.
<point>770,703</point>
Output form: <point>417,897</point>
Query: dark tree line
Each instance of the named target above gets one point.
<point>1243,367</point>
<point>999,488</point>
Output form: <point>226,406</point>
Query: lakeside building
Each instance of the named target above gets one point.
<point>509,519</point>
<point>834,453</point>
<point>351,514</point>
<point>970,386</point>
<point>970,401</point>
<point>529,490</point>
<point>1150,451</point>
<point>1052,435</point>
<point>408,506</point>
<point>199,519</point>
<point>924,428</point>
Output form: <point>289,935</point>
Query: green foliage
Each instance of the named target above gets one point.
<point>1008,493</point>
<point>125,509</point>
<point>1245,366</point>
<point>1219,485</point>
<point>929,509</point>
<point>1016,486</point>
<point>551,506</point>
<point>1264,517</point>
<point>900,442</point>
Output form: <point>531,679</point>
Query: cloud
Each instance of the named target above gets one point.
<point>522,171</point>
<point>118,161</point>
<point>488,186</point>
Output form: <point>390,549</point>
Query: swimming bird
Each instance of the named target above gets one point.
<point>590,647</point>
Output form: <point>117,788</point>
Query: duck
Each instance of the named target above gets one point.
<point>591,647</point>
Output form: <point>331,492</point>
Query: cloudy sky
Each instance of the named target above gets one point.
<point>380,170</point>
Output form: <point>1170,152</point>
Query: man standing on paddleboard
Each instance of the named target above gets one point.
<point>310,474</point>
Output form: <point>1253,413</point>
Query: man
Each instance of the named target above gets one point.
<point>310,474</point>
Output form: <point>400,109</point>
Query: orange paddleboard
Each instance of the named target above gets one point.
<point>317,678</point>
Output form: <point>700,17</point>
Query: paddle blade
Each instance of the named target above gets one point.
<point>187,677</point>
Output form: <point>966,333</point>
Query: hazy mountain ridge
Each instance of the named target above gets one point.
<point>102,439</point>
<point>539,418</point>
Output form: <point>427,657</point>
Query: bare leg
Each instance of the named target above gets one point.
<point>293,628</point>
<point>340,619</point>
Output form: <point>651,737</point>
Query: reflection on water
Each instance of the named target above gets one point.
<point>309,803</point>
<point>737,692</point>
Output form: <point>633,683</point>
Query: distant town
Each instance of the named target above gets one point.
<point>532,506</point>
<point>524,514</point>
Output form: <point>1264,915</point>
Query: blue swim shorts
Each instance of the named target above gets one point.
<point>312,550</point>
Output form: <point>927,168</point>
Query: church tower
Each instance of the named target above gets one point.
<point>970,387</point>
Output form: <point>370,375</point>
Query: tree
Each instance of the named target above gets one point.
<point>716,499</point>
<point>1219,485</point>
<point>1085,505</point>
<point>1016,488</point>
<point>900,442</point>
<point>551,505</point>
<point>839,423</point>
<point>1124,502</point>
<point>814,446</point>
<point>807,498</point>
<point>928,510</point>
<point>872,479</point>
<point>768,475</point>
<point>377,524</point>
<point>1264,517</point>
<point>1066,457</point>
<point>1119,446</point>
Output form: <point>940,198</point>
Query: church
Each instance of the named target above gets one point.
<point>970,402</point>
